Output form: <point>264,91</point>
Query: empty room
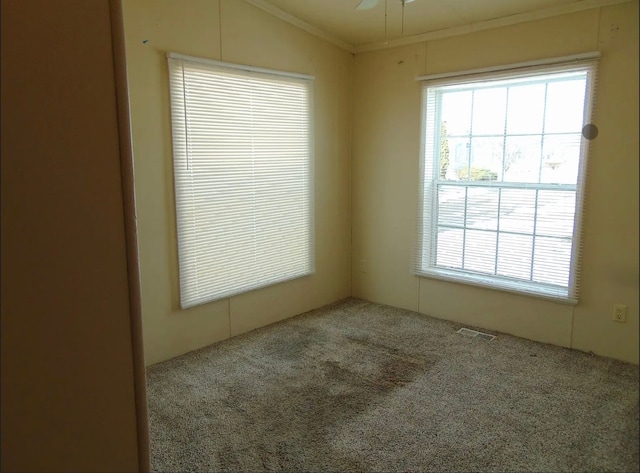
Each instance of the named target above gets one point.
<point>366,384</point>
<point>340,235</point>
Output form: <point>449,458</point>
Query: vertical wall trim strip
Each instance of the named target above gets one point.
<point>128,195</point>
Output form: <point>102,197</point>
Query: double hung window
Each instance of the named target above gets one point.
<point>242,154</point>
<point>503,171</point>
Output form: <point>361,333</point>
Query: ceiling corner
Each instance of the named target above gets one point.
<point>303,25</point>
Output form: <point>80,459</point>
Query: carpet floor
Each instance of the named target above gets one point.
<point>358,386</point>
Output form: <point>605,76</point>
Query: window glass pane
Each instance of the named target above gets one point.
<point>517,210</point>
<point>514,255</point>
<point>444,153</point>
<point>561,158</point>
<point>456,112</point>
<point>555,213</point>
<point>551,260</point>
<point>526,109</point>
<point>459,152</point>
<point>480,251</point>
<point>451,203</point>
<point>522,158</point>
<point>482,208</point>
<point>489,108</point>
<point>449,254</point>
<point>486,160</point>
<point>565,106</point>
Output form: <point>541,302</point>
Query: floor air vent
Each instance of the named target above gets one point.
<point>474,333</point>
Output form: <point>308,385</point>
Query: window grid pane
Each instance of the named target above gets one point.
<point>496,231</point>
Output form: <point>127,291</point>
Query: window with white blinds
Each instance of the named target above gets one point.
<point>242,153</point>
<point>503,172</point>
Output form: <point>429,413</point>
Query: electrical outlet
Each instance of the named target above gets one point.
<point>363,265</point>
<point>620,313</point>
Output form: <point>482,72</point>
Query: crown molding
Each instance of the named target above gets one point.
<point>303,25</point>
<point>573,7</point>
<point>580,5</point>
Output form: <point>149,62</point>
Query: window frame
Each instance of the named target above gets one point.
<point>424,260</point>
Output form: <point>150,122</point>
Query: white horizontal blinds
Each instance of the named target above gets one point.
<point>425,230</point>
<point>242,170</point>
<point>504,164</point>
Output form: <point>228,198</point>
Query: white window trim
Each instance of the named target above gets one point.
<point>426,222</point>
<point>242,67</point>
<point>474,74</point>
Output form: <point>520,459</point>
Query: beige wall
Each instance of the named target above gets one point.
<point>68,400</point>
<point>386,144</point>
<point>232,31</point>
<point>374,197</point>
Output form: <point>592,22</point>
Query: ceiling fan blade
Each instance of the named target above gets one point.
<point>366,4</point>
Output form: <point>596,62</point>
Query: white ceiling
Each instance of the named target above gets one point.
<point>339,21</point>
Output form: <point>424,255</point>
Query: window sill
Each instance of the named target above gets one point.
<point>550,293</point>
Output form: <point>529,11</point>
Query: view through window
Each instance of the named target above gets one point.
<point>503,172</point>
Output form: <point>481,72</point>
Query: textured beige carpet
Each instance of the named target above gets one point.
<point>358,386</point>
